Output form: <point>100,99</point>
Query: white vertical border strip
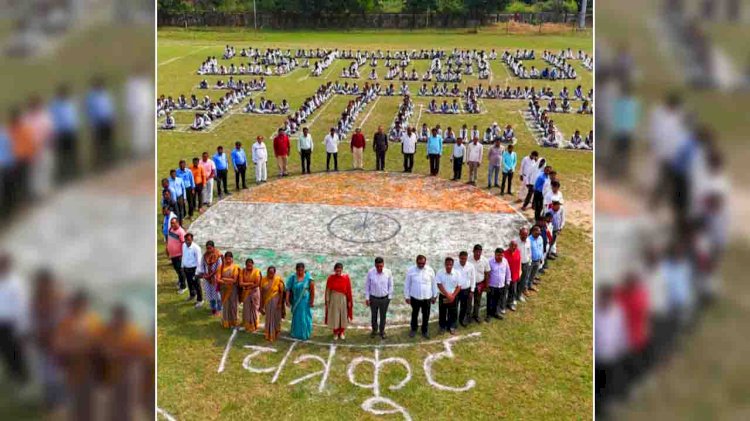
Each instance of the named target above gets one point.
<point>593,223</point>
<point>155,237</point>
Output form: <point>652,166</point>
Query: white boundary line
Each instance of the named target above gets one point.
<point>173,59</point>
<point>226,351</point>
<point>367,116</point>
<point>165,414</point>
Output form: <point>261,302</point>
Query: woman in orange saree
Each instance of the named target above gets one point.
<point>250,278</point>
<point>272,303</point>
<point>229,276</point>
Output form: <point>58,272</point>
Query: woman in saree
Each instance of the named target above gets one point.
<point>210,274</point>
<point>300,296</point>
<point>250,295</point>
<point>338,298</point>
<point>229,276</point>
<point>272,306</point>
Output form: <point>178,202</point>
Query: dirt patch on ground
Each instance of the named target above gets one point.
<point>520,28</point>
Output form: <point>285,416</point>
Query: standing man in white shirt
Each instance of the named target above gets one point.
<point>420,291</point>
<point>260,158</point>
<point>409,148</point>
<point>449,284</point>
<point>457,157</point>
<point>378,294</point>
<point>468,284</point>
<point>524,246</point>
<point>331,142</point>
<point>305,148</point>
<point>528,169</point>
<point>482,270</point>
<point>191,258</point>
<point>474,154</point>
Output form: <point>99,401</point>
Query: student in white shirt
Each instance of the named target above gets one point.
<point>449,284</point>
<point>169,124</point>
<point>474,154</point>
<point>528,170</point>
<point>420,291</point>
<point>482,270</point>
<point>260,158</point>
<point>409,148</point>
<point>457,157</point>
<point>331,142</point>
<point>191,258</point>
<point>468,284</point>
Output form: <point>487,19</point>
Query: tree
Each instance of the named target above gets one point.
<point>420,6</point>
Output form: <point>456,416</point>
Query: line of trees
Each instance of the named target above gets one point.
<point>317,7</point>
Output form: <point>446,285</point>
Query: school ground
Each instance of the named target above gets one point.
<point>535,364</point>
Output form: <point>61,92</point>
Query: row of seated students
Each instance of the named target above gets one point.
<point>401,121</point>
<point>560,63</point>
<point>266,106</point>
<point>309,105</point>
<point>563,107</point>
<point>577,142</point>
<point>508,93</point>
<point>226,101</point>
<point>281,68</point>
<point>252,85</point>
<point>353,108</point>
<point>323,63</point>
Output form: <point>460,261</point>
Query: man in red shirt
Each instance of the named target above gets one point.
<point>633,297</point>
<point>513,255</point>
<point>358,149</point>
<point>175,238</point>
<point>281,147</point>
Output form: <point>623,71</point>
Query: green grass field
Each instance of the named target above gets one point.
<point>535,364</point>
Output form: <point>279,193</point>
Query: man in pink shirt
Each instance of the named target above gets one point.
<point>209,173</point>
<point>175,238</point>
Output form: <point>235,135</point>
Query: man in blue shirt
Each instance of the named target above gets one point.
<point>239,162</point>
<point>539,183</point>
<point>537,256</point>
<point>434,151</point>
<point>188,181</point>
<point>64,112</point>
<point>101,114</point>
<point>222,168</point>
<point>509,160</point>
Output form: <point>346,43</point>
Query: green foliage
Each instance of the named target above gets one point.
<point>521,7</point>
<point>558,6</point>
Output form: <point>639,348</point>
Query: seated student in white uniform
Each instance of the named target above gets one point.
<point>432,107</point>
<point>475,133</point>
<point>584,108</point>
<point>444,107</point>
<point>565,105</point>
<point>455,109</point>
<point>390,90</point>
<point>552,106</point>
<point>170,123</point>
<point>576,141</point>
<point>550,140</point>
<point>578,93</point>
<point>488,137</point>
<point>588,143</point>
<point>203,84</point>
<point>284,107</point>
<point>373,75</point>
<point>198,123</point>
<point>508,134</point>
<point>463,133</point>
<point>404,89</point>
<point>449,137</point>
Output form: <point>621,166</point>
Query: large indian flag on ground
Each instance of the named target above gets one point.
<point>353,217</point>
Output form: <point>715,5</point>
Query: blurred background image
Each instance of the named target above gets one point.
<point>671,205</point>
<point>76,202</point>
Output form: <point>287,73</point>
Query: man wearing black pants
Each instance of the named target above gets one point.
<point>378,293</point>
<point>331,142</point>
<point>222,168</point>
<point>191,257</point>
<point>449,285</point>
<point>101,115</point>
<point>239,161</point>
<point>420,291</point>
<point>64,112</point>
<point>468,283</point>
<point>380,146</point>
<point>409,148</point>
<point>457,157</point>
<point>498,282</point>
<point>305,147</point>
